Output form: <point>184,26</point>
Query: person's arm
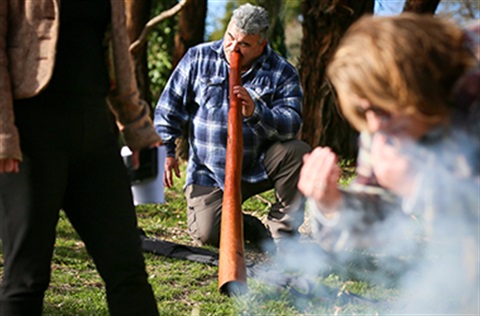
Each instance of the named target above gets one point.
<point>278,118</point>
<point>358,219</point>
<point>132,113</point>
<point>320,174</point>
<point>318,180</point>
<point>134,122</point>
<point>10,153</point>
<point>352,210</point>
<point>171,114</point>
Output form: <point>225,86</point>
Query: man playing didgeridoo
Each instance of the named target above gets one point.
<point>197,97</point>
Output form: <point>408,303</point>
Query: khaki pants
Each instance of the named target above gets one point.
<point>283,161</point>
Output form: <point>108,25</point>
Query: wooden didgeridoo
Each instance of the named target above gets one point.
<point>232,274</point>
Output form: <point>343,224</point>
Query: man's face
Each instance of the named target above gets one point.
<point>248,46</point>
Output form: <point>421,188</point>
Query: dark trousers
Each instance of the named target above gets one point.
<point>71,162</point>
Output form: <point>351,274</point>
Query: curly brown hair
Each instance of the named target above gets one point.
<point>402,64</point>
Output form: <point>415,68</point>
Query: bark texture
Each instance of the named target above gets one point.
<point>325,21</point>
<point>138,13</point>
<point>421,6</point>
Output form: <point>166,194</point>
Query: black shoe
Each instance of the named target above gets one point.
<point>255,234</point>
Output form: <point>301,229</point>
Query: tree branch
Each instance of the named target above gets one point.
<point>142,39</point>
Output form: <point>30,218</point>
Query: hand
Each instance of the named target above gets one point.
<point>171,163</point>
<point>9,165</point>
<point>136,156</point>
<point>248,106</point>
<point>392,169</point>
<point>319,178</point>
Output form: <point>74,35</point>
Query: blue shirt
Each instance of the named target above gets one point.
<point>197,94</point>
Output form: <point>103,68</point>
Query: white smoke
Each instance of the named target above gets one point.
<point>427,247</point>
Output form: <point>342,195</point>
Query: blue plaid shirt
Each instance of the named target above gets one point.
<point>197,94</point>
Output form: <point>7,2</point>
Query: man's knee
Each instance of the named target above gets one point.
<point>297,148</point>
<point>203,215</point>
<point>292,150</point>
<point>285,159</point>
<point>204,234</point>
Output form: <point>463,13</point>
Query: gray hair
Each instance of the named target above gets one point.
<point>251,20</point>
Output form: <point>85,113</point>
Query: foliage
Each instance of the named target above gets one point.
<point>461,12</point>
<point>222,22</point>
<point>160,49</point>
<point>293,11</point>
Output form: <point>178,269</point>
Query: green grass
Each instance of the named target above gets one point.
<point>190,288</point>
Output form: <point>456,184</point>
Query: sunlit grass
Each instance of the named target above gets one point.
<point>191,288</point>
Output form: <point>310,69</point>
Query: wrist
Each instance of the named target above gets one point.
<point>326,215</point>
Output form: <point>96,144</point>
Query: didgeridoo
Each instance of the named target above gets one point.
<point>232,275</point>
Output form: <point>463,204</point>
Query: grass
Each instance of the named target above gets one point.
<point>190,288</point>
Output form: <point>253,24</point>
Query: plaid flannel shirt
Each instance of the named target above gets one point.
<point>197,96</point>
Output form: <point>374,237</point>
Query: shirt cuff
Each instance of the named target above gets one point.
<point>329,220</point>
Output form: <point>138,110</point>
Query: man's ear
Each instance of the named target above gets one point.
<point>262,44</point>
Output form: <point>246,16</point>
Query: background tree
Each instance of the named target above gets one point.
<point>276,14</point>
<point>421,6</point>
<point>160,48</point>
<point>138,14</point>
<point>191,28</point>
<point>152,61</point>
<point>191,31</point>
<point>324,23</point>
<point>293,30</point>
<point>461,12</point>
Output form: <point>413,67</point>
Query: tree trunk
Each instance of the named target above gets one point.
<point>191,28</point>
<point>325,21</point>
<point>137,14</point>
<point>421,6</point>
<point>276,38</point>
